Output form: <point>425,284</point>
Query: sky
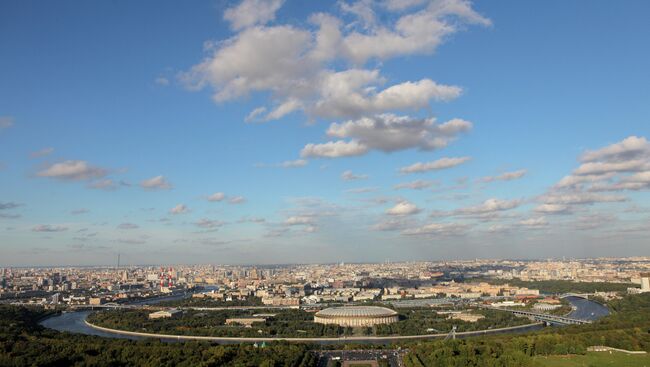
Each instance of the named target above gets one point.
<point>284,131</point>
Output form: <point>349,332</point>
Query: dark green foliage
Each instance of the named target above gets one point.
<point>628,327</point>
<point>24,343</point>
<point>285,323</point>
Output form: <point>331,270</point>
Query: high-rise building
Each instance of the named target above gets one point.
<point>645,282</point>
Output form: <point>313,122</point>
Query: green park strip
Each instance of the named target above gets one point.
<point>595,359</point>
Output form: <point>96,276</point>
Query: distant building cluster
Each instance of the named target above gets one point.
<point>423,283</point>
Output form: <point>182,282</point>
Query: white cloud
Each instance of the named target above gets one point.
<point>347,94</point>
<point>489,206</point>
<point>537,222</point>
<point>156,183</point>
<point>600,168</point>
<point>415,185</point>
<point>179,209</point>
<point>302,68</point>
<point>506,176</point>
<point>437,229</point>
<point>414,33</point>
<point>397,5</point>
<point>625,150</point>
<point>579,198</point>
<point>553,209</point>
<point>217,196</point>
<point>237,200</point>
<point>439,164</point>
<point>252,12</point>
<point>403,208</point>
<point>390,133</point>
<point>350,176</point>
<point>294,163</point>
<point>334,149</point>
<point>73,170</point>
<point>299,220</point>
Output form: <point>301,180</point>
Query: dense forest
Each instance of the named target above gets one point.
<point>628,327</point>
<point>294,323</point>
<point>24,343</point>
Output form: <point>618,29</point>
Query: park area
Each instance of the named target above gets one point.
<point>595,359</point>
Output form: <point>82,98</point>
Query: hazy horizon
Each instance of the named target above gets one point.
<point>275,132</point>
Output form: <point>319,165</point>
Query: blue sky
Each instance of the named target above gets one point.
<point>305,123</point>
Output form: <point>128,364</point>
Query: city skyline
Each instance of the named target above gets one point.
<point>278,132</point>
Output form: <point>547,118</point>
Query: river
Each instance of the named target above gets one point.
<point>74,322</point>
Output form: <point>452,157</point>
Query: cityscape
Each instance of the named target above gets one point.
<point>342,183</point>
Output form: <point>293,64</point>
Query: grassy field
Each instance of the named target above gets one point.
<point>595,359</point>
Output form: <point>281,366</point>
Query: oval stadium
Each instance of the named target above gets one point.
<point>356,316</point>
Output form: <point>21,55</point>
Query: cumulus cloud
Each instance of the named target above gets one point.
<point>350,176</point>
<point>303,68</point>
<point>489,206</point>
<point>343,95</point>
<point>630,148</point>
<point>334,149</point>
<point>403,208</point>
<point>49,228</point>
<point>506,176</point>
<point>73,170</point>
<point>179,209</point>
<point>579,198</point>
<point>538,222</point>
<point>217,196</point>
<point>616,167</point>
<point>389,132</point>
<point>299,220</point>
<point>439,164</point>
<point>553,209</point>
<point>156,183</point>
<point>252,12</point>
<point>127,226</point>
